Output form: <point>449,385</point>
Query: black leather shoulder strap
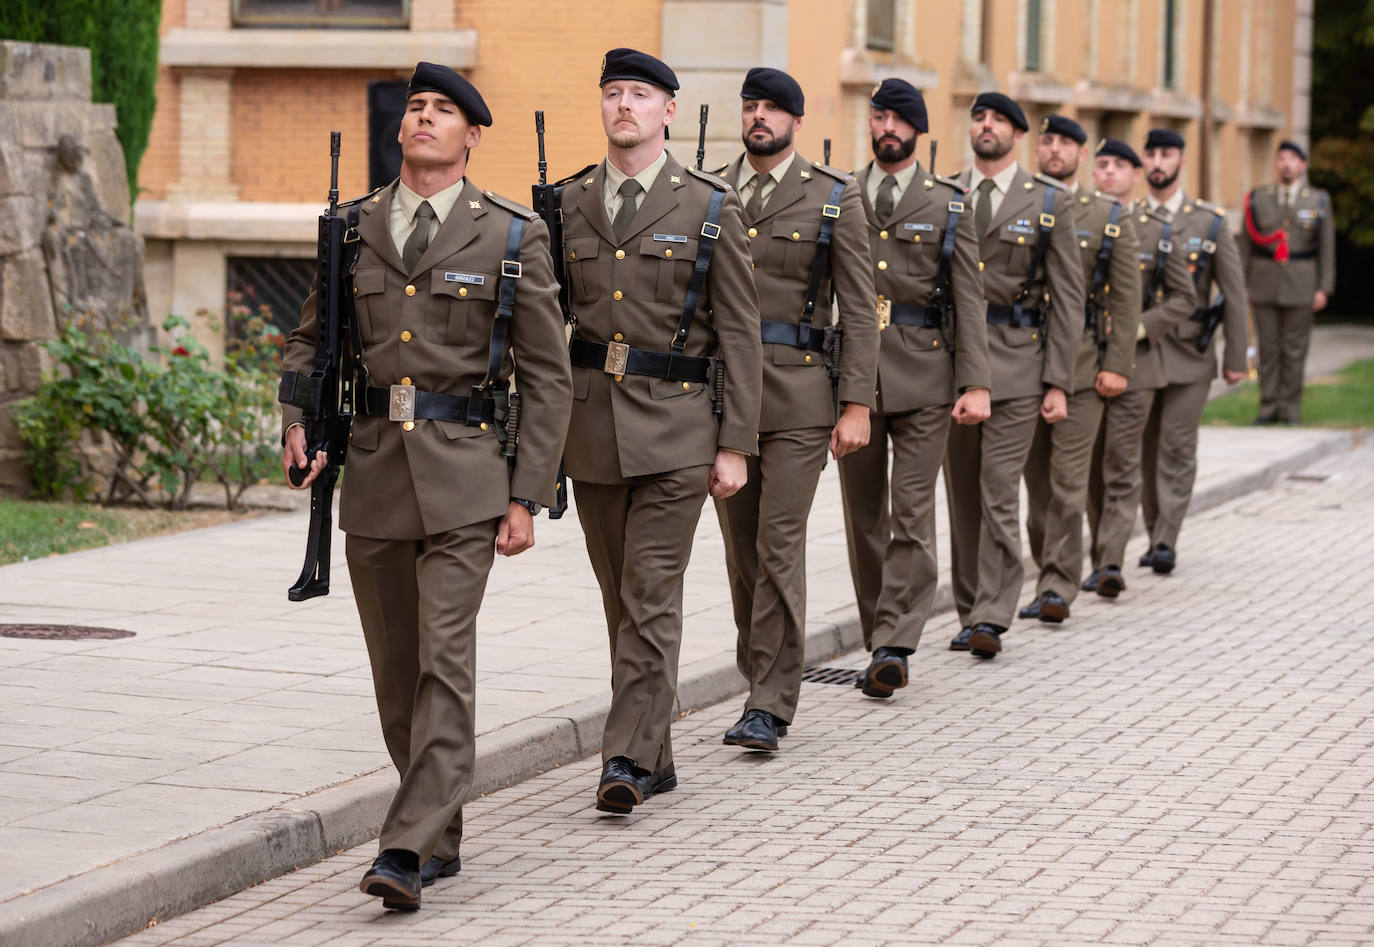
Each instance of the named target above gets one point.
<point>1042,246</point>
<point>511,272</point>
<point>706,246</point>
<point>820,263</point>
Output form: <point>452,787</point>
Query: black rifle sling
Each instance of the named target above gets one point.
<point>820,263</point>
<point>1042,246</point>
<point>942,272</point>
<point>1110,232</point>
<point>1162,251</point>
<point>710,232</point>
<point>348,308</point>
<point>1203,273</point>
<point>500,326</point>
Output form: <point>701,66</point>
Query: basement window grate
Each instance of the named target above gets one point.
<point>842,677</point>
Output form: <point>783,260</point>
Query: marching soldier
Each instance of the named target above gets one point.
<point>1289,252</point>
<point>1167,299</point>
<point>1033,279</point>
<point>806,233</point>
<point>429,500</point>
<point>933,365</point>
<point>644,448</point>
<point>1061,454</point>
<point>1169,459</point>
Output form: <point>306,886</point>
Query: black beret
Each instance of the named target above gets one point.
<point>431,77</point>
<point>1001,103</point>
<point>905,99</point>
<point>774,85</point>
<point>623,63</point>
<point>1293,146</point>
<point>1061,125</point>
<point>1117,149</point>
<point>1163,138</point>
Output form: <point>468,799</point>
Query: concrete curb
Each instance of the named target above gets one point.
<point>125,897</point>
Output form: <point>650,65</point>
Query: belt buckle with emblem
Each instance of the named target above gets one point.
<point>884,313</point>
<point>617,357</point>
<point>401,406</point>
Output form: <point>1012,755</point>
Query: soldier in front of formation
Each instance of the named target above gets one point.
<point>430,499</point>
<point>1061,455</point>
<point>1169,451</point>
<point>645,447</point>
<point>1289,256</point>
<point>932,368</point>
<point>807,235</point>
<point>1167,299</point>
<point>1033,281</point>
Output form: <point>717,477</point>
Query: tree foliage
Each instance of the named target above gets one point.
<point>1342,113</point>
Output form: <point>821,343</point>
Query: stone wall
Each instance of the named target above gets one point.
<point>66,248</point>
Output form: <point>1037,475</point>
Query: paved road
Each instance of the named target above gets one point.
<point>1193,763</point>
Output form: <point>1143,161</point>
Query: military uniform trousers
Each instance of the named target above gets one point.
<point>639,538</point>
<point>983,469</point>
<point>1169,461</point>
<point>764,527</point>
<point>1283,334</point>
<point>890,527</point>
<point>418,601</point>
<point>1057,470</point>
<point>1114,487</point>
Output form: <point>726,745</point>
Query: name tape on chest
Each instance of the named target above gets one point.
<point>922,227</point>
<point>1305,213</point>
<point>670,238</point>
<point>1020,228</point>
<point>474,279</point>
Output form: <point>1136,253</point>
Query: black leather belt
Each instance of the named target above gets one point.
<point>910,314</point>
<point>404,403</point>
<point>1006,316</point>
<point>617,358</point>
<point>789,333</point>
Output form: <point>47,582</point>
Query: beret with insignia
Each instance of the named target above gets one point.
<point>623,63</point>
<point>1117,149</point>
<point>900,96</point>
<point>1003,105</point>
<point>1163,138</point>
<point>1062,125</point>
<point>1289,145</point>
<point>774,85</point>
<point>431,77</point>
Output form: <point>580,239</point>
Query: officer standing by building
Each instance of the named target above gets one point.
<point>1289,253</point>
<point>1033,280</point>
<point>933,365</point>
<point>1167,298</point>
<point>806,234</point>
<point>429,500</point>
<point>1169,452</point>
<point>644,448</point>
<point>1061,454</point>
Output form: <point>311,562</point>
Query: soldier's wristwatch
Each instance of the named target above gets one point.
<point>530,505</point>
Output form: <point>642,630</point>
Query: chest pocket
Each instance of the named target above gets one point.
<point>580,260</point>
<point>918,244</point>
<point>1088,245</point>
<point>797,239</point>
<point>665,267</point>
<point>369,284</point>
<point>458,302</point>
<point>1017,245</point>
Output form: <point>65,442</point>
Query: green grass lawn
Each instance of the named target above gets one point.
<point>1345,399</point>
<point>30,529</point>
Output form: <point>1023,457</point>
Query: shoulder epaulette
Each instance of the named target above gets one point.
<point>1047,180</point>
<point>720,172</point>
<point>1209,206</point>
<point>835,173</point>
<point>716,182</point>
<point>505,203</point>
<point>950,182</point>
<point>375,193</point>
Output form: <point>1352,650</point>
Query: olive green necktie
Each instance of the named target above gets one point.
<point>883,205</point>
<point>629,190</point>
<point>982,214</point>
<point>754,208</point>
<point>419,238</point>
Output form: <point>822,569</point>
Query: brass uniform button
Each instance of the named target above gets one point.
<point>462,290</point>
<point>1034,336</point>
<point>405,335</point>
<point>916,239</point>
<point>753,231</point>
<point>1192,256</point>
<point>619,377</point>
<point>686,386</point>
<point>882,235</point>
<point>1083,244</point>
<point>1020,239</point>
<point>882,264</point>
<point>483,425</point>
<point>796,235</point>
<point>935,343</point>
<point>572,254</point>
<point>619,337</point>
<point>355,290</point>
<point>980,266</point>
<point>620,254</point>
<point>1142,266</point>
<point>410,289</point>
<point>405,380</point>
<point>667,252</point>
<point>617,295</point>
<point>408,426</point>
<point>808,359</point>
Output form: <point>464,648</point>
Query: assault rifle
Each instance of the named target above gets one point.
<point>941,297</point>
<point>718,363</point>
<point>1211,319</point>
<point>325,396</point>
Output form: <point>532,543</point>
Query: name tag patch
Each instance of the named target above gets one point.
<point>1084,233</point>
<point>473,279</point>
<point>670,238</point>
<point>918,227</point>
<point>1019,228</point>
<point>1305,213</point>
<point>1194,241</point>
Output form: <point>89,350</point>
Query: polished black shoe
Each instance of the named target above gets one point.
<point>885,674</point>
<point>395,878</point>
<point>1163,559</point>
<point>662,780</point>
<point>1090,583</point>
<point>733,734</point>
<point>986,640</point>
<point>960,641</point>
<point>1110,582</point>
<point>435,868</point>
<point>622,786</point>
<point>1031,611</point>
<point>1053,608</point>
<point>757,730</point>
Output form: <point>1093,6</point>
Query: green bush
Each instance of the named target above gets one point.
<point>122,36</point>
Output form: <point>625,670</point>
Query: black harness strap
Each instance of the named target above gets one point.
<point>947,245</point>
<point>710,233</point>
<point>1162,252</point>
<point>1202,274</point>
<point>511,271</point>
<point>1110,232</point>
<point>1042,246</point>
<point>820,263</point>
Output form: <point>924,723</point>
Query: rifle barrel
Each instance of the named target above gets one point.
<point>701,138</point>
<point>539,132</point>
<point>933,143</point>
<point>334,173</point>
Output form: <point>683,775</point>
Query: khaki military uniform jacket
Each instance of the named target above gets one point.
<point>914,368</point>
<point>782,243</point>
<point>431,328</point>
<point>1174,302</point>
<point>633,291</point>
<point>1023,364</point>
<point>1183,363</point>
<point>1092,215</point>
<point>1311,230</point>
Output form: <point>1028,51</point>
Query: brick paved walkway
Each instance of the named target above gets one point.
<point>1191,764</point>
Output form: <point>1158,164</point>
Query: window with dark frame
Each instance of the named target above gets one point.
<point>1034,36</point>
<point>882,24</point>
<point>278,284</point>
<point>355,14</point>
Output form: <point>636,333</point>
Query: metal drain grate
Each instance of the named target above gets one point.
<point>843,677</point>
<point>61,632</point>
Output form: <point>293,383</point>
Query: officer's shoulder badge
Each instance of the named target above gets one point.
<point>720,172</point>
<point>950,182</point>
<point>1210,207</point>
<point>375,195</point>
<point>835,173</point>
<point>505,203</point>
<point>710,179</point>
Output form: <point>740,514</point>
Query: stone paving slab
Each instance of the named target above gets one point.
<point>1191,763</point>
<point>233,711</point>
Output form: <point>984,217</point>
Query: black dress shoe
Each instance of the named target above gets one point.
<point>733,734</point>
<point>395,878</point>
<point>1164,559</point>
<point>1090,583</point>
<point>781,727</point>
<point>960,641</point>
<point>663,780</point>
<point>885,673</point>
<point>1031,611</point>
<point>622,786</point>
<point>435,868</point>
<point>1053,608</point>
<point>758,731</point>
<point>1111,582</point>
<point>1147,559</point>
<point>986,640</point>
